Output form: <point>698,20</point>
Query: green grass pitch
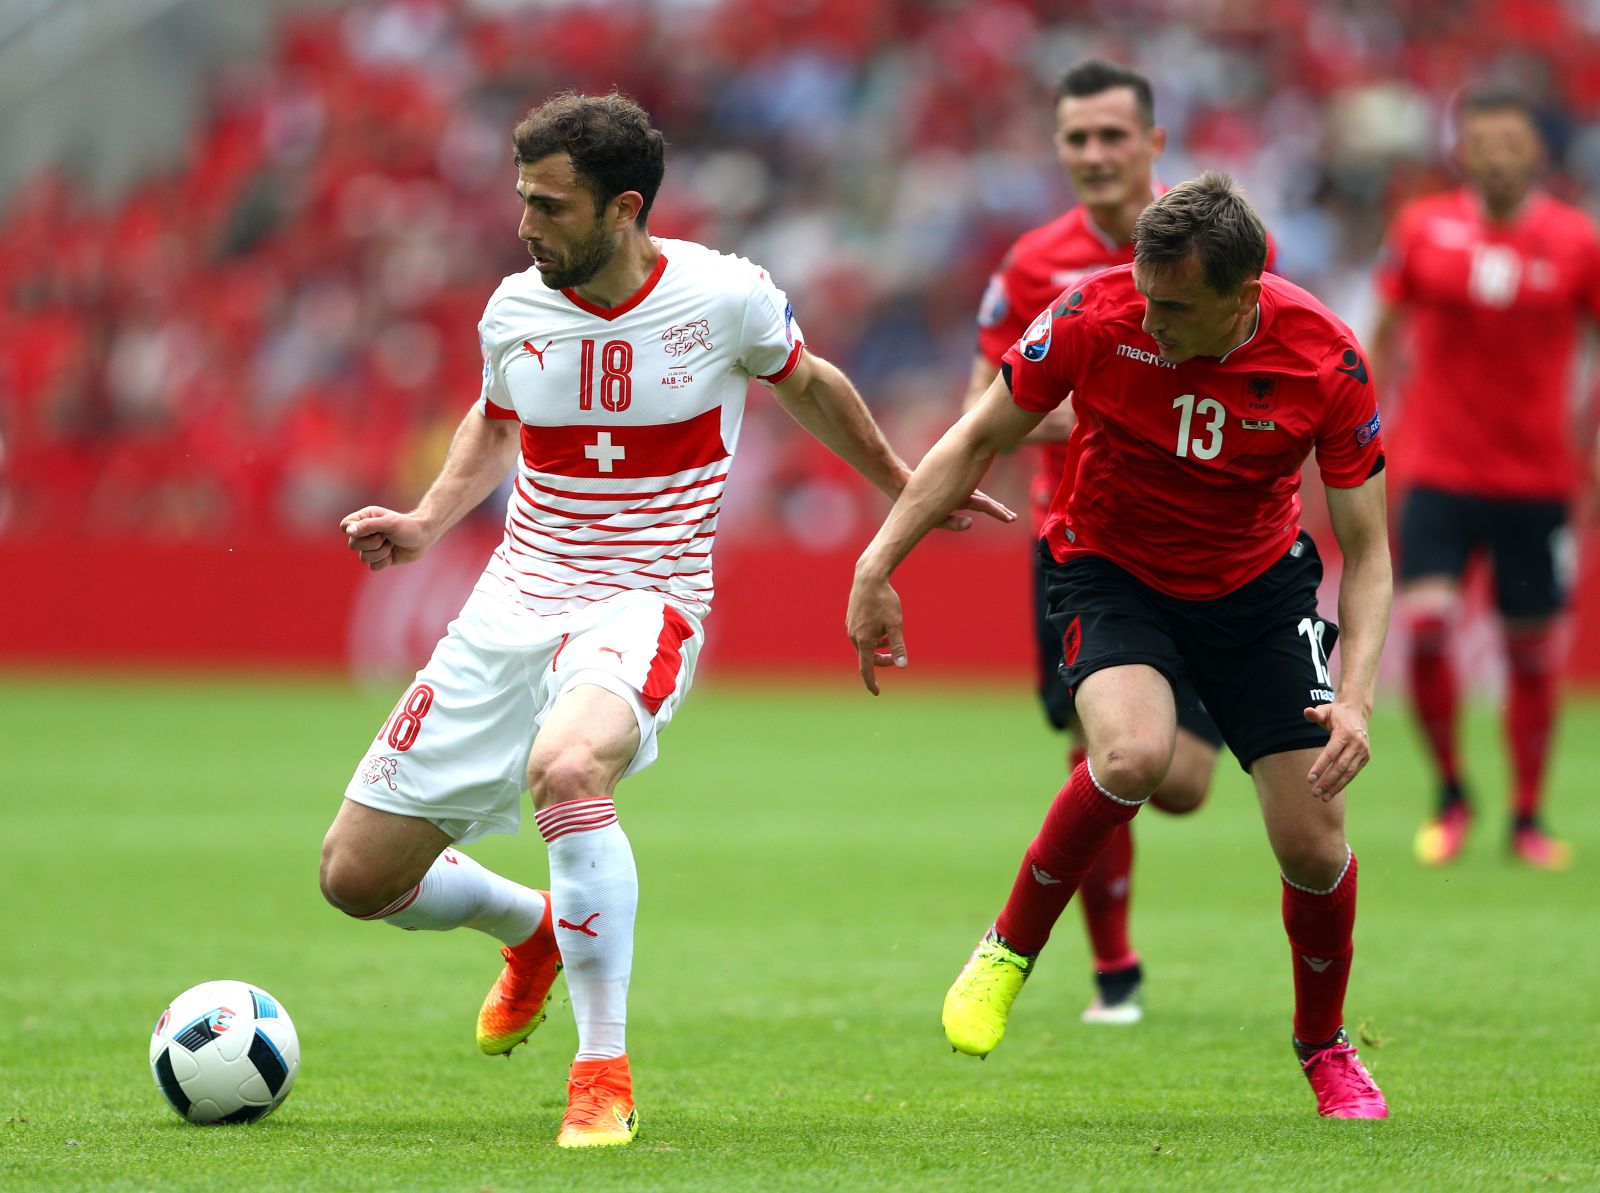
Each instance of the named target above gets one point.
<point>815,867</point>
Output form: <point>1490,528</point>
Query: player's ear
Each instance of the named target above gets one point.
<point>1249,293</point>
<point>1158,141</point>
<point>629,204</point>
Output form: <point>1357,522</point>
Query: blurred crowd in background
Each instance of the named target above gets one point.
<point>283,327</point>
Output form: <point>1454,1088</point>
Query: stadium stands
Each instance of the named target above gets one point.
<point>281,326</point>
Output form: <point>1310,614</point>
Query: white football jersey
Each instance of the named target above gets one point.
<point>630,417</point>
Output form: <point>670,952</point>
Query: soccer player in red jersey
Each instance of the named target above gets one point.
<point>1200,386</point>
<point>1492,281</point>
<point>1107,140</point>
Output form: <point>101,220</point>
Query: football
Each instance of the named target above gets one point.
<point>224,1052</point>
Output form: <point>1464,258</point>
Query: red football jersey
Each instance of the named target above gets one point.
<point>1042,264</point>
<point>1188,476</point>
<point>1039,266</point>
<point>1494,313</point>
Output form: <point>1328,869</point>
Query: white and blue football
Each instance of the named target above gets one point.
<point>224,1052</point>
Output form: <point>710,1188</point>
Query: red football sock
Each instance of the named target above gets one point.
<point>1080,821</point>
<point>1434,691</point>
<point>1530,713</point>
<point>1105,894</point>
<point>1319,928</point>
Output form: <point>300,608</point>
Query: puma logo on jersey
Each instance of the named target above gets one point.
<point>584,927</point>
<point>537,353</point>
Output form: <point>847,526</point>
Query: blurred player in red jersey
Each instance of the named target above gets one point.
<point>1200,386</point>
<point>1492,281</point>
<point>1108,141</point>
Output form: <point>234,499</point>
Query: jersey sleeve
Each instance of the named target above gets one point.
<point>1349,440</point>
<point>1048,360</point>
<point>494,399</point>
<point>1591,275</point>
<point>1000,321</point>
<point>1389,276</point>
<point>770,341</point>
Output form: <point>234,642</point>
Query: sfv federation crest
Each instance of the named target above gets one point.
<point>680,339</point>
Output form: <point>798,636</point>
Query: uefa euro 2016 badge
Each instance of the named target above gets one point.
<point>1036,340</point>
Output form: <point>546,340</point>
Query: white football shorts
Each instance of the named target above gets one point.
<point>455,748</point>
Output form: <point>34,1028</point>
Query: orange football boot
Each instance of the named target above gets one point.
<point>515,1005</point>
<point>600,1110</point>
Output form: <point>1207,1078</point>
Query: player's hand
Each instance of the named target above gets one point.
<point>382,537</point>
<point>1343,758</point>
<point>873,622</point>
<point>982,503</point>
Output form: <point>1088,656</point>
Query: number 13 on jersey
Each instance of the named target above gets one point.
<point>1211,414</point>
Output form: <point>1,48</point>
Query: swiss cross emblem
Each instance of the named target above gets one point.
<point>604,453</point>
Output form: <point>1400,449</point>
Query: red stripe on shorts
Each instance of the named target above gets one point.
<point>665,667</point>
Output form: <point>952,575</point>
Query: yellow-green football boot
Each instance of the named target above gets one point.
<point>976,1007</point>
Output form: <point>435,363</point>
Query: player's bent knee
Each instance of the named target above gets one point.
<point>568,775</point>
<point>1131,771</point>
<point>1179,796</point>
<point>352,888</point>
<point>1315,865</point>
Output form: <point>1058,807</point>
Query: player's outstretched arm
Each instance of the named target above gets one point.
<point>1366,588</point>
<point>481,453</point>
<point>1055,427</point>
<point>821,399</point>
<point>951,469</point>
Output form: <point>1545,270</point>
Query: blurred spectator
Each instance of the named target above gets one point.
<point>202,352</point>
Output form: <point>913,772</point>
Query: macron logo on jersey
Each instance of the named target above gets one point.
<point>1143,357</point>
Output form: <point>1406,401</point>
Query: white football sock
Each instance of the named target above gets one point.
<point>457,892</point>
<point>594,895</point>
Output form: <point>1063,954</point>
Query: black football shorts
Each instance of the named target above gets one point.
<point>1054,694</point>
<point>1527,541</point>
<point>1257,657</point>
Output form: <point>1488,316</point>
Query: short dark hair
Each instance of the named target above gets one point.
<point>1093,76</point>
<point>1207,216</point>
<point>1479,100</point>
<point>610,139</point>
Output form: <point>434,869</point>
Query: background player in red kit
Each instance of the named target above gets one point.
<point>1492,281</point>
<point>1108,140</point>
<point>1200,386</point>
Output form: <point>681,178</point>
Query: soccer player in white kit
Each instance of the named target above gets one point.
<point>614,378</point>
